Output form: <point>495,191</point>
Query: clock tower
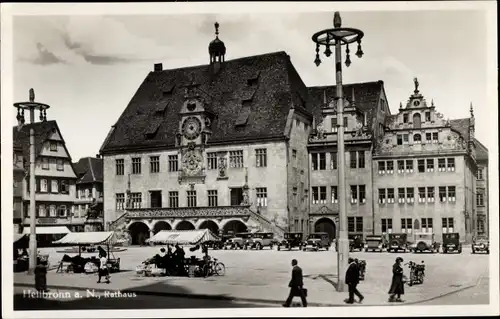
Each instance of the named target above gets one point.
<point>194,132</point>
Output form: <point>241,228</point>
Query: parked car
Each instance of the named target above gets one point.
<point>451,242</point>
<point>291,240</point>
<point>317,241</point>
<point>238,241</point>
<point>260,240</point>
<point>424,242</point>
<point>481,244</point>
<point>356,242</point>
<point>374,243</point>
<point>397,242</point>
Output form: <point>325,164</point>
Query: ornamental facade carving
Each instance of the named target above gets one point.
<point>236,211</point>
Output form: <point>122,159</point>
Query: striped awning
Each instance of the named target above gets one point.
<point>183,237</point>
<point>87,238</point>
<point>48,230</point>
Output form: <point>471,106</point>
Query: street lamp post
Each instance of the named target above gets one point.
<point>337,37</point>
<point>31,106</point>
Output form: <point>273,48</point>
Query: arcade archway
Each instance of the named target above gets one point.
<point>326,225</point>
<point>161,225</point>
<point>210,224</point>
<point>139,232</point>
<point>185,225</point>
<point>235,226</point>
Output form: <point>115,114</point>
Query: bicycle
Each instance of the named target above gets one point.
<point>214,267</point>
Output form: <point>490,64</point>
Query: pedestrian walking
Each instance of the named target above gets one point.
<point>103,266</point>
<point>296,286</point>
<point>397,285</point>
<point>352,281</point>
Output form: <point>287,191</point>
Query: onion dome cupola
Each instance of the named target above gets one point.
<point>216,48</point>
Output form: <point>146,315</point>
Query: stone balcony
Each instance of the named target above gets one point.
<point>190,212</point>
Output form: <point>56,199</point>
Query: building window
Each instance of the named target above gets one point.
<point>236,159</point>
<point>261,157</point>
<point>354,194</point>
<point>362,194</point>
<point>44,185</point>
<point>399,139</point>
<point>421,195</point>
<point>406,139</point>
<point>401,166</point>
<point>62,211</point>
<point>421,165</point>
<point>428,137</point>
<point>442,194</point>
<point>322,161</point>
<point>346,126</point>
<point>261,196</point>
<point>294,154</point>
<point>334,124</point>
<point>60,164</point>
<point>390,196</point>
<point>42,211</point>
<point>173,163</point>
<point>386,225</point>
<point>381,167</point>
<point>322,194</point>
<point>154,164</point>
<point>480,197</point>
<point>53,146</point>
<point>417,138</point>
<point>480,226</point>
<point>430,165</point>
<point>54,186</point>
<point>381,195</point>
<point>45,163</point>
<point>120,167</point>
<point>52,211</point>
<point>333,160</point>
<point>451,164</point>
<point>355,224</point>
<point>410,195</point>
<point>173,199</point>
<point>136,200</point>
<point>406,225</point>
<point>427,225</point>
<point>314,159</point>
<point>64,187</point>
<point>353,161</point>
<point>405,118</point>
<point>441,164</point>
<point>212,198</point>
<point>361,159</point>
<point>480,174</point>
<point>191,198</point>
<point>427,116</point>
<point>335,195</point>
<point>390,167</point>
<point>401,195</point>
<point>315,193</point>
<point>120,201</point>
<point>409,166</point>
<point>430,194</point>
<point>447,224</point>
<point>435,138</point>
<point>451,194</point>
<point>136,165</point>
<point>155,199</point>
<point>212,160</point>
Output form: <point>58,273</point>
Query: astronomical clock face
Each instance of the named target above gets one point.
<point>191,162</point>
<point>191,128</point>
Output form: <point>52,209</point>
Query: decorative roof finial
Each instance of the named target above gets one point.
<point>432,102</point>
<point>471,110</point>
<point>32,95</point>
<point>337,21</point>
<point>415,80</point>
<point>400,105</point>
<point>216,24</point>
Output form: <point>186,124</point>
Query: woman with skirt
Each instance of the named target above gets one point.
<point>397,285</point>
<point>103,266</point>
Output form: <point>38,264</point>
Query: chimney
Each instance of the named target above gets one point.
<point>158,67</point>
<point>97,156</point>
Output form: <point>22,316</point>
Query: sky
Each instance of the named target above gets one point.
<point>88,67</point>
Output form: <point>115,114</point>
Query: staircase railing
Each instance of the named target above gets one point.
<point>113,224</point>
<point>278,230</point>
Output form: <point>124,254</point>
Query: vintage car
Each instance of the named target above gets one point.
<point>238,241</point>
<point>397,242</point>
<point>356,242</point>
<point>481,244</point>
<point>291,240</point>
<point>260,240</point>
<point>451,242</point>
<point>424,242</point>
<point>317,241</point>
<point>374,243</point>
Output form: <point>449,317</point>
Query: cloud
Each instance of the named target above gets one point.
<point>45,57</point>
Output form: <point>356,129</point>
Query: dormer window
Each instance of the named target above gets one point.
<point>405,118</point>
<point>53,146</point>
<point>427,116</point>
<point>417,139</point>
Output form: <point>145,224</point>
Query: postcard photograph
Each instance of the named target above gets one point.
<point>171,160</point>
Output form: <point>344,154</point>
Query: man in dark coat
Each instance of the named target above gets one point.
<point>296,285</point>
<point>352,281</point>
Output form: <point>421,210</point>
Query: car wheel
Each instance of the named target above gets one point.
<point>279,248</point>
<point>303,249</point>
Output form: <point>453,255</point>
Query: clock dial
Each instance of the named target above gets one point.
<point>191,162</point>
<point>191,128</point>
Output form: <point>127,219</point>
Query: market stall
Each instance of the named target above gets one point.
<point>89,265</point>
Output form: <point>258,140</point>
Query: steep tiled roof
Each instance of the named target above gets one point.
<point>461,126</point>
<point>43,130</point>
<point>481,151</point>
<point>89,170</point>
<point>277,86</point>
<point>366,96</point>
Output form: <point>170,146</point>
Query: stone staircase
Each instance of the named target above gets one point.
<point>119,226</point>
<point>266,225</point>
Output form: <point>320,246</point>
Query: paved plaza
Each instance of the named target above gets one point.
<point>262,276</point>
